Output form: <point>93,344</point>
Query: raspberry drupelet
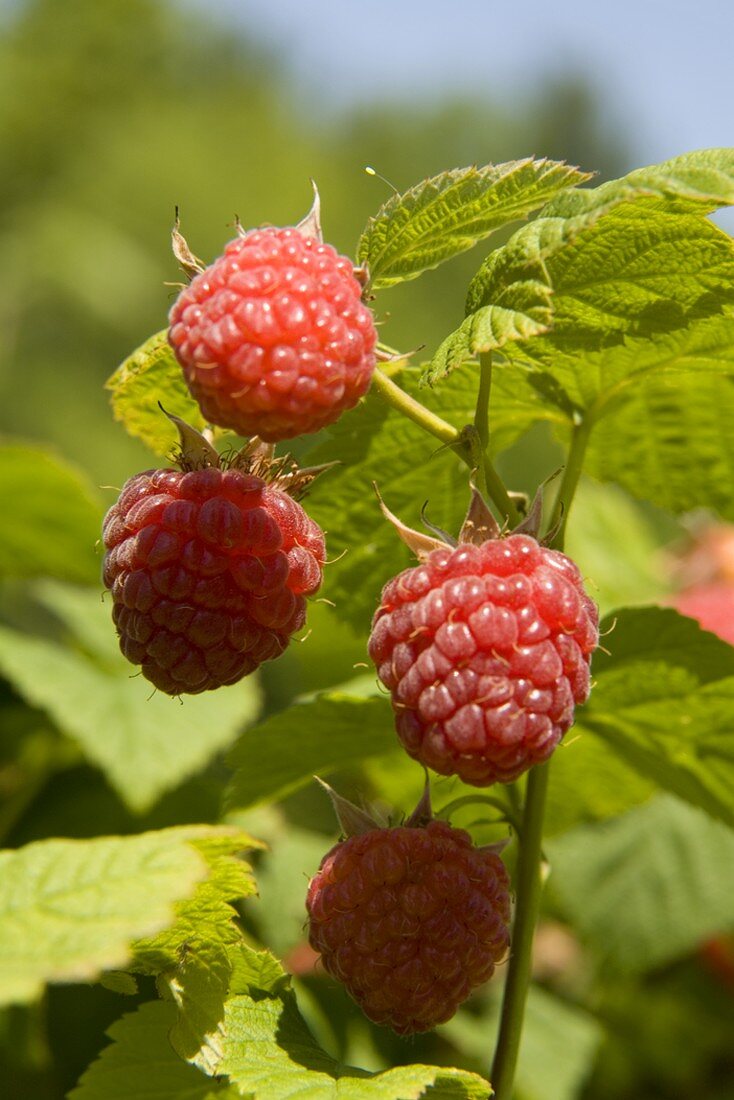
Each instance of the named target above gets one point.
<point>485,648</point>
<point>410,920</point>
<point>209,570</point>
<point>273,337</point>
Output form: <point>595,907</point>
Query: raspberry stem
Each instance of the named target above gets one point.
<point>460,441</point>
<point>507,815</point>
<point>519,972</point>
<point>570,479</point>
<point>481,414</point>
<point>390,392</point>
<point>529,866</point>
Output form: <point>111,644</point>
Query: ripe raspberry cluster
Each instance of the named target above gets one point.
<point>273,337</point>
<point>410,920</point>
<point>485,650</point>
<point>208,571</point>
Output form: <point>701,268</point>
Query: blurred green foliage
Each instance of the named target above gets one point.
<point>113,113</point>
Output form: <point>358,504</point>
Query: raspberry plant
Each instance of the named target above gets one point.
<point>607,319</point>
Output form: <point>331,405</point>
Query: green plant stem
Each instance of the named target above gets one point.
<point>529,866</point>
<point>498,493</point>
<point>486,799</point>
<point>481,414</point>
<point>519,971</point>
<point>475,456</point>
<point>570,479</point>
<point>491,482</point>
<point>408,406</point>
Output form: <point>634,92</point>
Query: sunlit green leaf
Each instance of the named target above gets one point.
<point>195,952</point>
<point>447,214</point>
<point>140,1062</point>
<point>699,181</point>
<point>486,330</point>
<point>149,376</point>
<point>270,1052</point>
<point>70,909</point>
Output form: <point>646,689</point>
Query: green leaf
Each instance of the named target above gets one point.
<point>630,270</point>
<point>148,376</point>
<point>632,257</point>
<point>269,1053</point>
<point>449,213</point>
<point>589,782</point>
<point>601,380</point>
<point>618,572</point>
<point>491,327</point>
<point>140,1062</point>
<point>205,922</point>
<point>119,981</point>
<point>377,445</point>
<point>663,700</point>
<point>662,409</point>
<point>52,517</point>
<point>195,952</point>
<point>672,443</point>
<point>145,742</point>
<point>648,887</point>
<point>310,738</point>
<point>700,181</point>
<point>70,909</point>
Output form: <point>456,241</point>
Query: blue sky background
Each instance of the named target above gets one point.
<point>664,69</point>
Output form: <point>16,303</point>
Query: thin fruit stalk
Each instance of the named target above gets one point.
<point>530,862</point>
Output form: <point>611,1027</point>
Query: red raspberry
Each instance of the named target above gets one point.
<point>410,920</point>
<point>712,605</point>
<point>208,571</point>
<point>273,337</point>
<point>485,650</point>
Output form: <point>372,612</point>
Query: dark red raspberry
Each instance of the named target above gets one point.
<point>273,338</point>
<point>208,572</point>
<point>485,650</point>
<point>410,920</point>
